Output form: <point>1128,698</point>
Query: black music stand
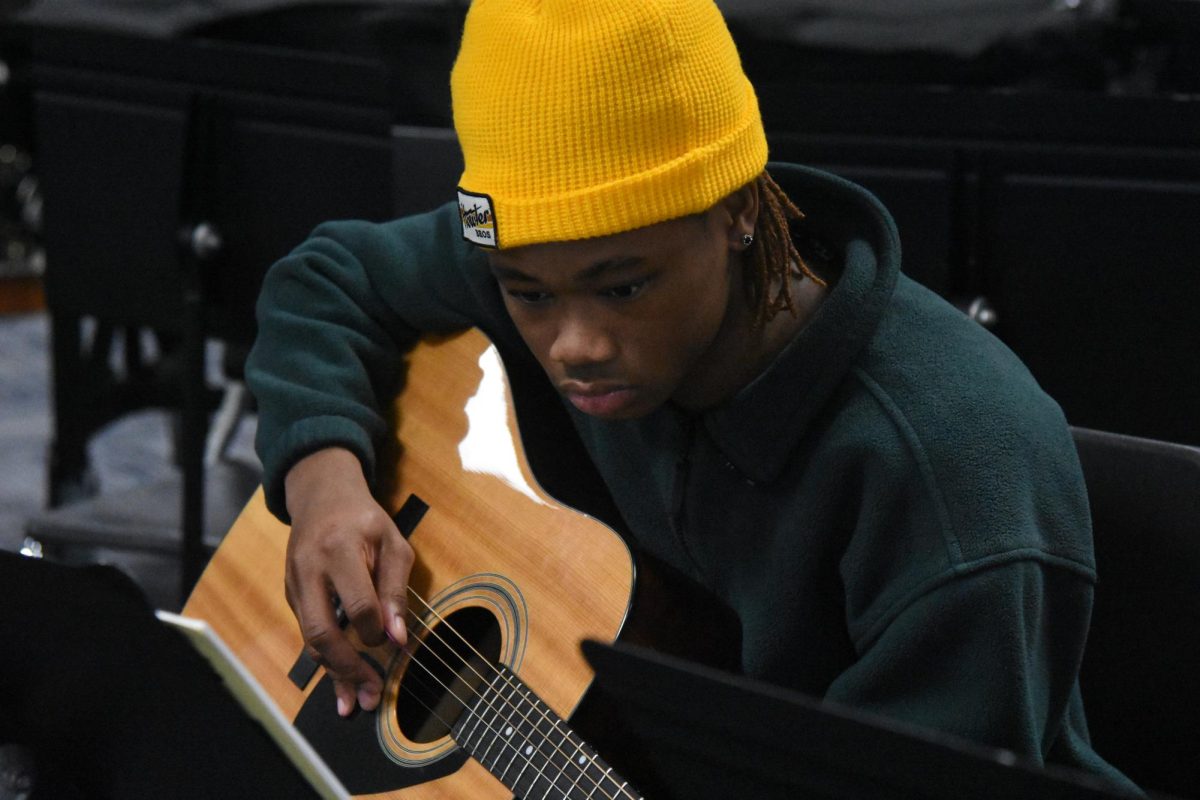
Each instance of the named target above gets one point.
<point>111,703</point>
<point>708,734</point>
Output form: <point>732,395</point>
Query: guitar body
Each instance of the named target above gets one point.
<point>524,577</point>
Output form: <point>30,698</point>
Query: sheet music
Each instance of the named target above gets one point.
<point>258,704</point>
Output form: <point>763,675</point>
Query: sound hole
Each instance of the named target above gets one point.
<point>445,673</point>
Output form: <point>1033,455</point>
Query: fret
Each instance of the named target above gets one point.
<point>493,720</point>
<point>582,757</point>
<point>475,729</point>
<point>470,723</point>
<point>597,783</point>
<point>548,738</point>
<point>530,749</point>
<point>526,725</point>
<point>507,734</point>
<point>560,769</point>
<point>533,782</point>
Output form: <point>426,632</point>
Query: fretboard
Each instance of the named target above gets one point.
<point>530,749</point>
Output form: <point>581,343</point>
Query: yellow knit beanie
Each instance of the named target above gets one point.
<point>582,118</point>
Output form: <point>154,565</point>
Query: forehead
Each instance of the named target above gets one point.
<point>593,259</point>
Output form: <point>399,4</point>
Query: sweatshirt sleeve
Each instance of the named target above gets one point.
<point>1015,629</point>
<point>990,656</point>
<point>334,320</point>
<point>970,574</point>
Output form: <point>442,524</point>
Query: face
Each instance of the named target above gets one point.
<point>621,324</point>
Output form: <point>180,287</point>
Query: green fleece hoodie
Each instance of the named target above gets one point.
<point>894,509</point>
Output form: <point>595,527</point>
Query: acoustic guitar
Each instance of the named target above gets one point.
<point>507,583</point>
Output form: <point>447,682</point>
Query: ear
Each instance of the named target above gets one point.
<point>738,214</point>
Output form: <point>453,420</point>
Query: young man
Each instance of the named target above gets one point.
<point>873,483</point>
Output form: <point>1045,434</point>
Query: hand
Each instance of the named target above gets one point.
<point>344,545</point>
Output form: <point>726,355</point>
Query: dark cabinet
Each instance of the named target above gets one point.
<point>1072,216</point>
<point>139,141</point>
<point>175,173</point>
<point>275,182</point>
<point>1092,261</point>
<point>112,171</point>
<point>916,183</point>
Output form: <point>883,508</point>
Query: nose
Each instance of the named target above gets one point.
<point>581,342</point>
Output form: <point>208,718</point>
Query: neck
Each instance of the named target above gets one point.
<point>744,347</point>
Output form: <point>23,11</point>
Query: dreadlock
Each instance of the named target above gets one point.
<point>774,260</point>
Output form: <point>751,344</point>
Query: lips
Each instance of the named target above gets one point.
<point>598,399</point>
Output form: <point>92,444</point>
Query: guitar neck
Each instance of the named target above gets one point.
<point>530,749</point>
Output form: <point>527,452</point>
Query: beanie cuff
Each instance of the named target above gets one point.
<point>690,184</point>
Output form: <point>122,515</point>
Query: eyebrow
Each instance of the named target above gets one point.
<point>588,273</point>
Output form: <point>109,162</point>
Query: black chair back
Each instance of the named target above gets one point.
<point>1139,674</point>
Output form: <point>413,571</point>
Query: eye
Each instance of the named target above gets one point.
<point>626,291</point>
<point>528,297</point>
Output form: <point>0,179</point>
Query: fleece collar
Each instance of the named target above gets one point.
<point>759,427</point>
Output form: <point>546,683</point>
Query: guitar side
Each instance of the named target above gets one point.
<point>490,542</point>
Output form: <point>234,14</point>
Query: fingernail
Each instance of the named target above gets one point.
<point>391,638</point>
<point>343,707</point>
<point>367,699</point>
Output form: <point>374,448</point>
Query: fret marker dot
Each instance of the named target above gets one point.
<point>508,731</point>
<point>583,759</point>
<point>529,750</point>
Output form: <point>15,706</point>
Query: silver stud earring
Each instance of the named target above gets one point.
<point>747,239</point>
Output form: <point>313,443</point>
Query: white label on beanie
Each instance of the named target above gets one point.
<point>478,221</point>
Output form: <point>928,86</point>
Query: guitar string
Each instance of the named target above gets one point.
<point>540,738</point>
<point>410,676</point>
<point>479,718</point>
<point>519,689</point>
<point>567,794</point>
<point>432,712</point>
<point>561,772</point>
<point>579,751</point>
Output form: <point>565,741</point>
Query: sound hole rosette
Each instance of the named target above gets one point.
<point>429,626</point>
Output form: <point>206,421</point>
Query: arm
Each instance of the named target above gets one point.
<point>335,318</point>
<point>969,577</point>
<point>342,542</point>
<point>991,656</point>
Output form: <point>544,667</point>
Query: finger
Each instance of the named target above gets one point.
<point>353,678</point>
<point>391,580</point>
<point>356,593</point>
<point>324,640</point>
<point>366,689</point>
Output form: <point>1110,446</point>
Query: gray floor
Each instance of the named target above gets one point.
<point>24,422</point>
<point>133,451</point>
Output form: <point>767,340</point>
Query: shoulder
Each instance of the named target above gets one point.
<point>954,460</point>
<point>435,232</point>
<point>988,446</point>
